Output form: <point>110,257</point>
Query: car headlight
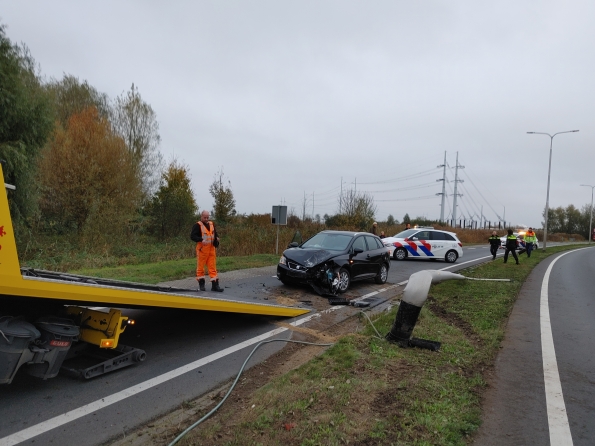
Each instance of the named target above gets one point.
<point>283,260</point>
<point>388,245</point>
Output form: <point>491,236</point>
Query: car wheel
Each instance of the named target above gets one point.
<point>400,254</point>
<point>451,257</point>
<point>344,280</point>
<point>382,275</point>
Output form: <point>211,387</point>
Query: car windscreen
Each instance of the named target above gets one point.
<point>332,242</point>
<point>406,233</point>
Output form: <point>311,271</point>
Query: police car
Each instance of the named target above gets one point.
<point>424,243</point>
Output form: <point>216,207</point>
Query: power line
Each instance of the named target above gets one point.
<point>494,195</point>
<point>407,177</point>
<point>420,186</point>
<point>486,201</point>
<point>408,199</point>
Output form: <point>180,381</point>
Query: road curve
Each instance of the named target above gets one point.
<point>542,391</point>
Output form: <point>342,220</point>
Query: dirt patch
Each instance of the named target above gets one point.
<point>288,302</point>
<point>454,320</point>
<point>292,295</point>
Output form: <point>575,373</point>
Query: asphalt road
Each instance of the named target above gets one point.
<point>543,391</point>
<point>188,354</point>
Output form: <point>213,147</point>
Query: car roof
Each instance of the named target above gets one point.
<point>351,233</point>
<point>454,234</point>
<point>437,230</point>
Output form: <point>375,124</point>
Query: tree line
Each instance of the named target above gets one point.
<point>88,166</point>
<point>570,220</point>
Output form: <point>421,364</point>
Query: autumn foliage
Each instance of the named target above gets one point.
<point>87,178</point>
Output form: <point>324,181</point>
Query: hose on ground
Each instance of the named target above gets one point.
<point>183,434</point>
<point>372,324</point>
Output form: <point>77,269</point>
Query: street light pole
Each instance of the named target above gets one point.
<point>547,200</point>
<point>591,213</point>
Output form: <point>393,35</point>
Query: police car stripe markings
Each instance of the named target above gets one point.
<point>426,248</point>
<point>412,251</point>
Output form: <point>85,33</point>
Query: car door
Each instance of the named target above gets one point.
<point>420,243</point>
<point>374,255</point>
<point>359,262</point>
<point>440,243</point>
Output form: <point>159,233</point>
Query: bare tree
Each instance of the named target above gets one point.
<point>136,122</point>
<point>358,208</point>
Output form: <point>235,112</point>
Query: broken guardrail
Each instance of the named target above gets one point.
<point>414,297</point>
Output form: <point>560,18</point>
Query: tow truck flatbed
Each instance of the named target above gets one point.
<point>76,290</point>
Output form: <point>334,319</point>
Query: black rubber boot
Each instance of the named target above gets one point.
<point>201,285</point>
<point>215,286</point>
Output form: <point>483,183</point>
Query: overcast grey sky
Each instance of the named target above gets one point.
<point>290,97</point>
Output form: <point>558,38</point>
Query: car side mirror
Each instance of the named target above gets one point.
<point>293,245</point>
<point>357,251</point>
<point>413,238</point>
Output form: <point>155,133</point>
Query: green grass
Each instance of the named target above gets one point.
<point>164,271</point>
<point>364,390</point>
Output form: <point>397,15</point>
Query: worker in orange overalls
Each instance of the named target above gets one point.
<point>206,238</point>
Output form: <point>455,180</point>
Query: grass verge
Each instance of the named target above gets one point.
<point>164,271</point>
<point>366,391</point>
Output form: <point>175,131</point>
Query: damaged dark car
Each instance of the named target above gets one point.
<point>331,260</point>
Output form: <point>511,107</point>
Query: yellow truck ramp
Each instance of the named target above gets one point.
<point>72,289</point>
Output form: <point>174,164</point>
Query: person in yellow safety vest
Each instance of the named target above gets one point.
<point>207,240</point>
<point>494,244</point>
<point>530,239</point>
<point>511,246</point>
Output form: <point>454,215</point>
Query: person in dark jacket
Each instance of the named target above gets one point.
<point>494,244</point>
<point>374,228</point>
<point>206,238</point>
<point>511,246</point>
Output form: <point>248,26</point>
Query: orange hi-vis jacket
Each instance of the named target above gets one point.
<point>206,252</point>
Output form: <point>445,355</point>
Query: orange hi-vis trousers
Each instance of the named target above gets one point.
<point>206,255</point>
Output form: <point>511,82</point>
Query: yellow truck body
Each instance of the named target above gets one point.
<point>14,284</point>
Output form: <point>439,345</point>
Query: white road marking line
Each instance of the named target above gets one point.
<point>72,415</point>
<point>448,267</point>
<point>87,409</point>
<point>556,409</point>
<point>464,263</point>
